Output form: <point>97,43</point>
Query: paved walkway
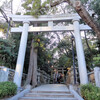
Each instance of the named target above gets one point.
<point>51,87</point>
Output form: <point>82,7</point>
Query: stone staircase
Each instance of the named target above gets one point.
<point>48,94</point>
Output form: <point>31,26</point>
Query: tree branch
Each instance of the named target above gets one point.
<point>52,4</point>
<point>87,43</point>
<point>77,5</point>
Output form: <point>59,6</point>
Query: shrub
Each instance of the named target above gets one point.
<point>96,60</point>
<point>7,89</point>
<point>90,92</point>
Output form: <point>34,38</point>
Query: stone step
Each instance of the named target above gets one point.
<point>32,91</point>
<point>48,95</point>
<point>46,98</point>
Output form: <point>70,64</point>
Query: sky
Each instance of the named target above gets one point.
<point>16,4</point>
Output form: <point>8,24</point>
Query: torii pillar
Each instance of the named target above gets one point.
<point>80,53</point>
<point>21,54</point>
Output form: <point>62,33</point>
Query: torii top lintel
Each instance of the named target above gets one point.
<point>50,19</point>
<point>44,18</point>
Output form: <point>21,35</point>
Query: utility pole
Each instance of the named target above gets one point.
<point>72,39</point>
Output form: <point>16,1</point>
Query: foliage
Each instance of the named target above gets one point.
<point>90,51</point>
<point>44,54</point>
<point>98,45</point>
<point>90,92</point>
<point>47,53</point>
<point>40,41</point>
<point>96,60</point>
<point>95,5</point>
<point>45,60</point>
<point>84,1</point>
<point>7,89</point>
<point>35,7</point>
<point>7,54</point>
<point>3,26</point>
<point>65,52</point>
<point>64,61</point>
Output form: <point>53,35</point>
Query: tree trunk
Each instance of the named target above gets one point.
<point>31,63</point>
<point>32,71</point>
<point>34,76</point>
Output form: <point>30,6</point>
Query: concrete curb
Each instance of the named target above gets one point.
<point>76,95</point>
<point>21,94</point>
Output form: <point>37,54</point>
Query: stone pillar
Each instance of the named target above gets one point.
<point>21,54</point>
<point>97,76</point>
<point>80,53</point>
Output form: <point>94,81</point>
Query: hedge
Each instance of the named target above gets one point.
<point>7,89</point>
<point>90,92</point>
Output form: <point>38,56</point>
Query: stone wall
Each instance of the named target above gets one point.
<point>42,77</point>
<point>7,74</point>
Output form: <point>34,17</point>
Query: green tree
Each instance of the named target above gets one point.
<point>64,49</point>
<point>7,54</point>
<point>64,61</point>
<point>35,7</point>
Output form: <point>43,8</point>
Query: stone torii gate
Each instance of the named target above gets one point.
<point>50,19</point>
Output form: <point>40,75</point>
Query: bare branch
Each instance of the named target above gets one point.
<point>87,43</point>
<point>52,4</point>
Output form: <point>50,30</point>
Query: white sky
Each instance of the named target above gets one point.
<point>16,4</point>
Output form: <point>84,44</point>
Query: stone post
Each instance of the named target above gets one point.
<point>97,76</point>
<point>4,73</point>
<point>21,54</point>
<point>80,53</point>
